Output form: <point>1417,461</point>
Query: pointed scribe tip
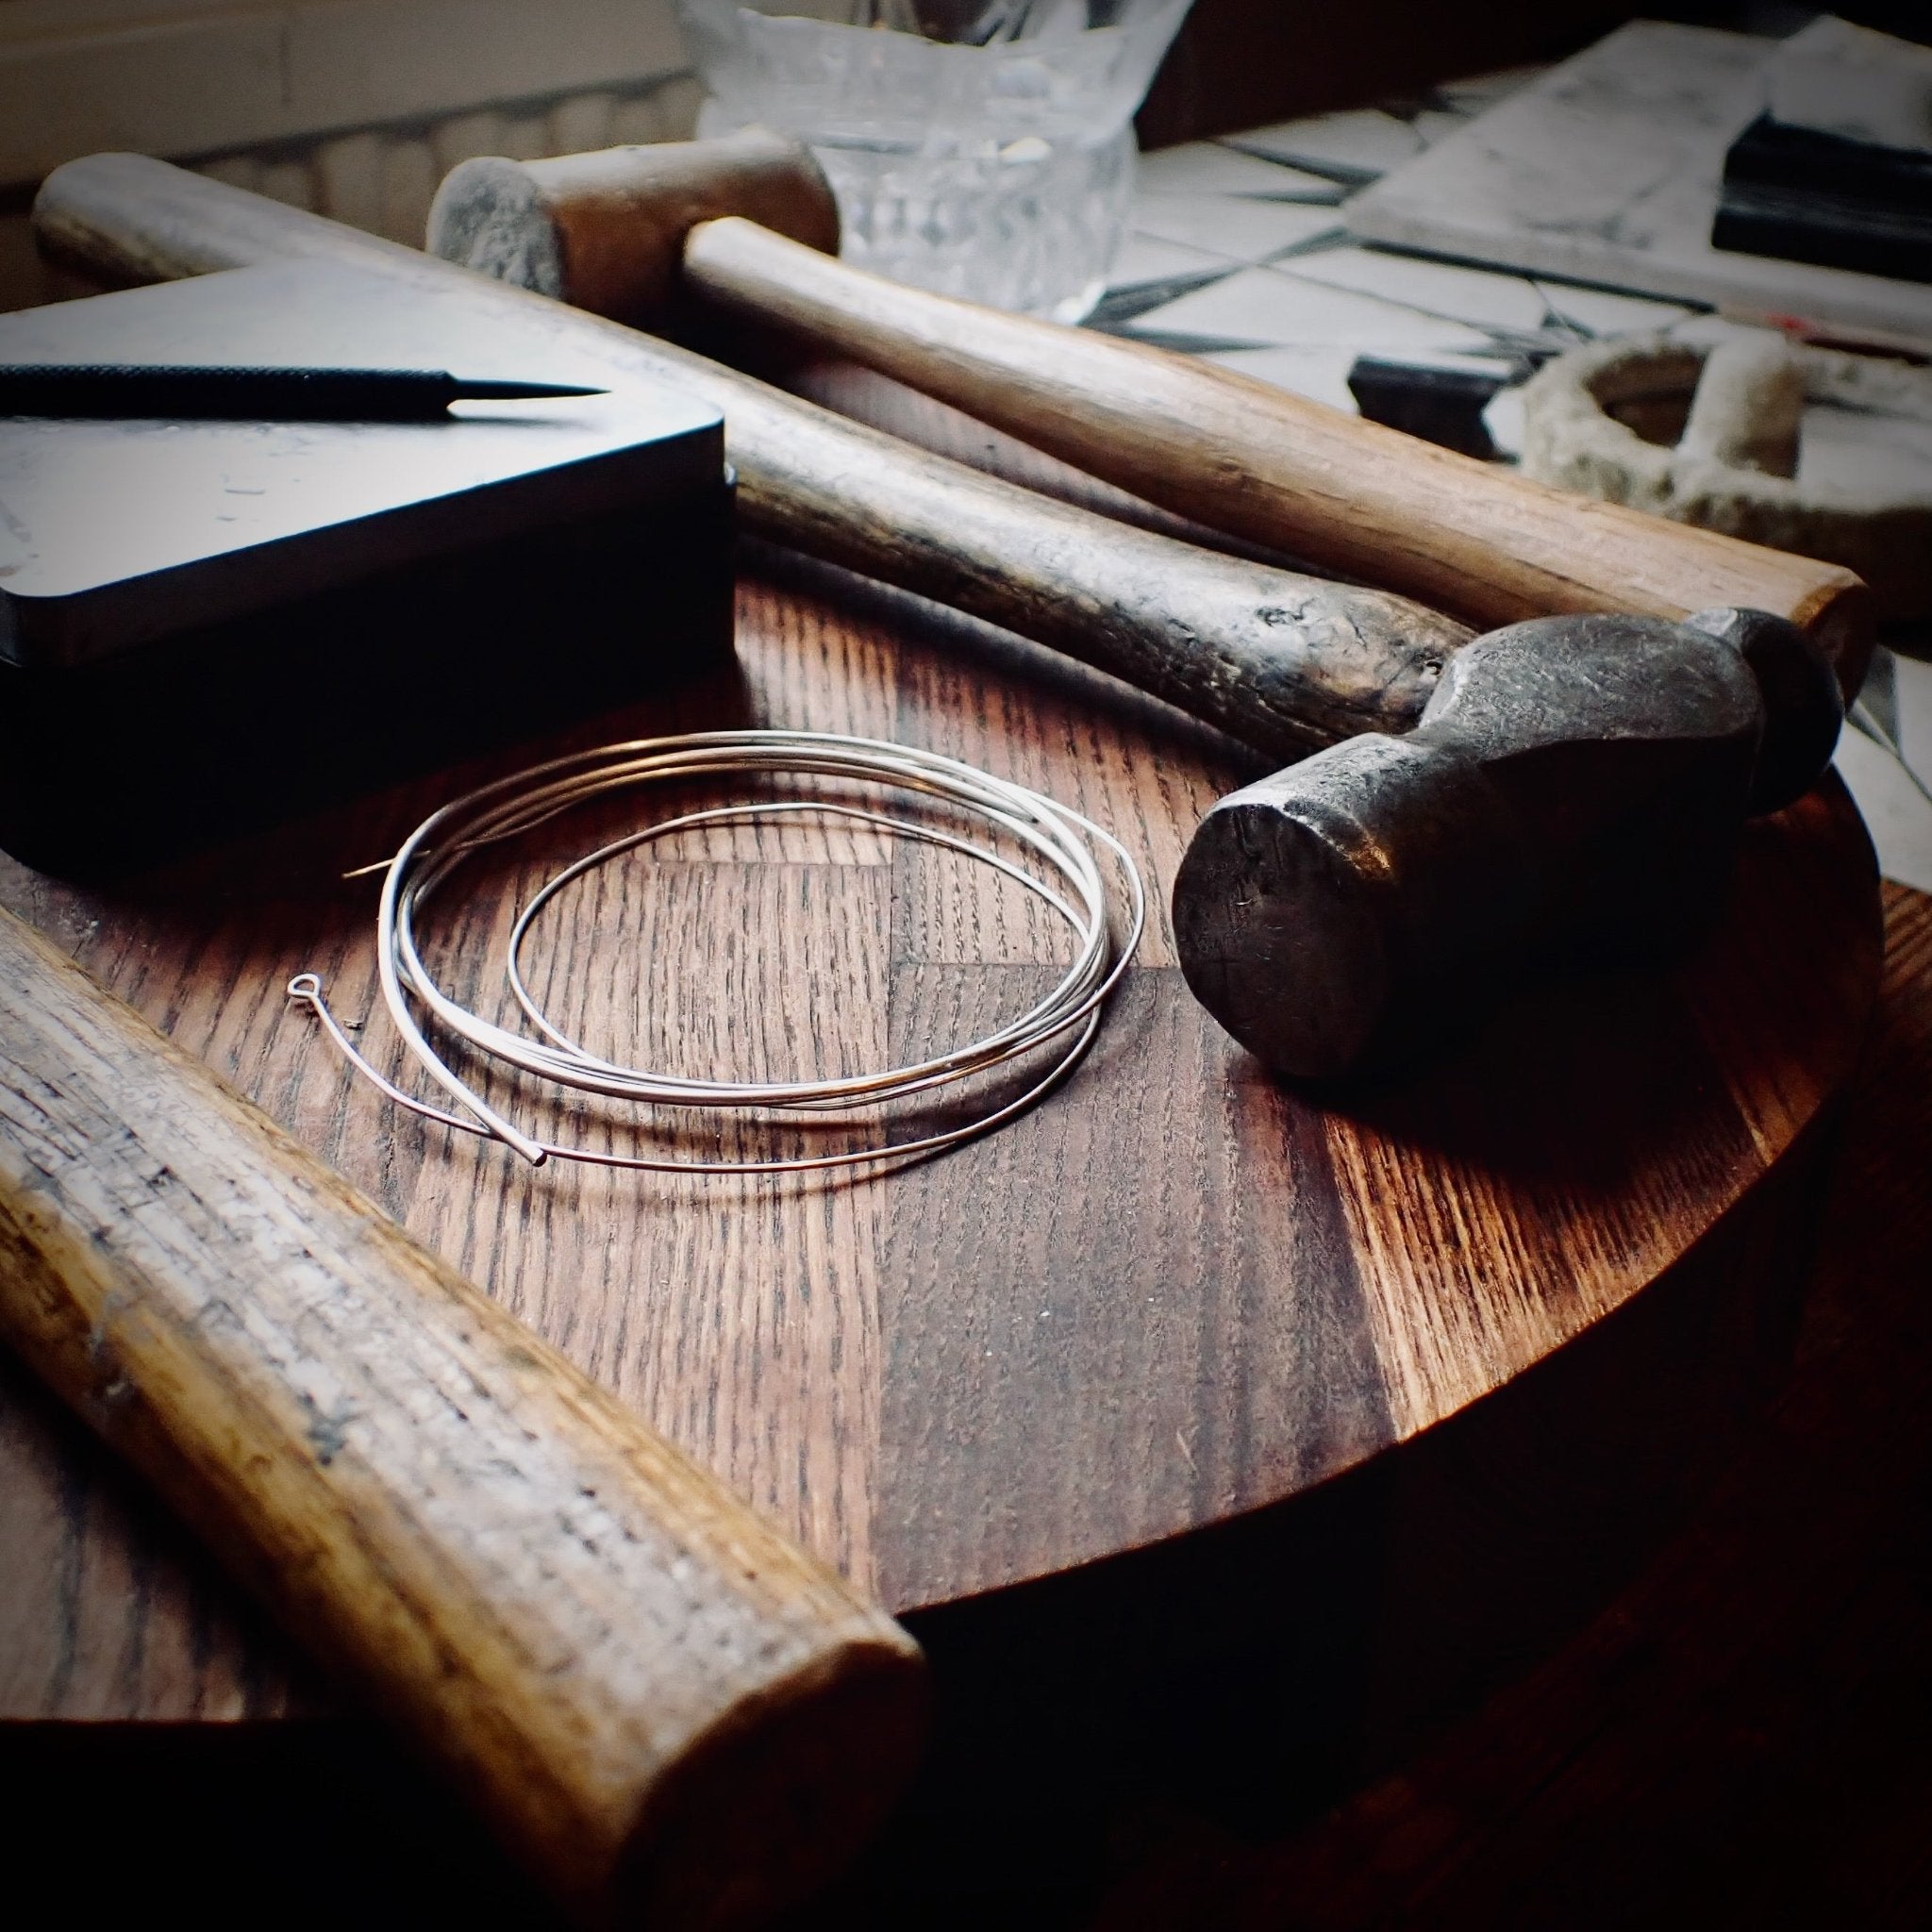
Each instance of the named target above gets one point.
<point>473,388</point>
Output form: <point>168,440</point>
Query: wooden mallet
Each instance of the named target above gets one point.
<point>672,1715</point>
<point>614,231</point>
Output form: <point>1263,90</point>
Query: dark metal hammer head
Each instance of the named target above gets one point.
<point>1575,789</point>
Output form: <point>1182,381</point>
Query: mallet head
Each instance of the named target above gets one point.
<point>604,231</point>
<point>1574,787</point>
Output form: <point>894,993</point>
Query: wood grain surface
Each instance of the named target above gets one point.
<point>1736,1740</point>
<point>1179,1292</point>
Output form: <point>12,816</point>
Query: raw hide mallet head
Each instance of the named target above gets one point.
<point>605,231</point>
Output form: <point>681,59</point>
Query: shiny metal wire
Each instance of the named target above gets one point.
<point>1069,878</point>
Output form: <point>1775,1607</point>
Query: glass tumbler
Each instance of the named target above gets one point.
<point>981,147</point>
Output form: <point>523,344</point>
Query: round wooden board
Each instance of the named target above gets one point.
<point>1177,1292</point>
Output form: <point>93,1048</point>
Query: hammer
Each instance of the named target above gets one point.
<point>1577,780</point>
<point>615,232</point>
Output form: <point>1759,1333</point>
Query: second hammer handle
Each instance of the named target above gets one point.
<point>1242,456</point>
<point>1281,661</point>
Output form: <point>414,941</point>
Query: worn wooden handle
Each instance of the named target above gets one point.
<point>1281,661</point>
<point>1242,456</point>
<point>670,1711</point>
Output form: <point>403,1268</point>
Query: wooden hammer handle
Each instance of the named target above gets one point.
<point>1242,456</point>
<point>1282,661</point>
<point>665,1706</point>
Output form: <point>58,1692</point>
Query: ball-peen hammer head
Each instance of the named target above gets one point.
<point>1574,791</point>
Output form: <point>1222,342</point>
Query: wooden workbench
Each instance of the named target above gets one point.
<point>1073,1398</point>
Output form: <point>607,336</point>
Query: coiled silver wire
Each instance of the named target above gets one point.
<point>1070,879</point>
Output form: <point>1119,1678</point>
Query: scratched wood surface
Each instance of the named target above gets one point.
<point>1177,1292</point>
<point>1737,1738</point>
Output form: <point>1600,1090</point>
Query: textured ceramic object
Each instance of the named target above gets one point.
<point>979,147</point>
<point>1601,420</point>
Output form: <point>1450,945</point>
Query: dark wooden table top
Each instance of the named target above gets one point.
<point>1177,1292</point>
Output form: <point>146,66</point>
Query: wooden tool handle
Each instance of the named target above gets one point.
<point>1281,661</point>
<point>666,1709</point>
<point>1242,456</point>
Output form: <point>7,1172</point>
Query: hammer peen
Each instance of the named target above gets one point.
<point>615,232</point>
<point>1574,794</point>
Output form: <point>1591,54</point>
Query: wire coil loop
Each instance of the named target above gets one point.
<point>1065,875</point>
